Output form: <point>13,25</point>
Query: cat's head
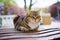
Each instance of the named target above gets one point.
<point>33,16</point>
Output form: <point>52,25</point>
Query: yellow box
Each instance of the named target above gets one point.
<point>46,19</point>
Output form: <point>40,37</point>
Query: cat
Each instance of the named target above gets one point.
<point>30,22</point>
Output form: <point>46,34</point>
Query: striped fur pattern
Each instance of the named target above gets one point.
<point>30,22</point>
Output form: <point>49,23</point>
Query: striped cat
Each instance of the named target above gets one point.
<point>30,22</point>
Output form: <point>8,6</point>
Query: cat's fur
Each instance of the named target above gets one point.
<point>30,22</point>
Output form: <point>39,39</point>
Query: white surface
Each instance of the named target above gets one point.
<point>53,24</point>
<point>7,21</point>
<point>38,3</point>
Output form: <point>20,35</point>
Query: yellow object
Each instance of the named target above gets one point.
<point>46,18</point>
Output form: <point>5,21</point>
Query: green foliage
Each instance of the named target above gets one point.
<point>6,3</point>
<point>10,1</point>
<point>1,0</point>
<point>14,2</point>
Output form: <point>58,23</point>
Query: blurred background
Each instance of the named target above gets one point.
<point>10,8</point>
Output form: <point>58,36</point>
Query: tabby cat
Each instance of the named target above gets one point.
<point>30,22</point>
